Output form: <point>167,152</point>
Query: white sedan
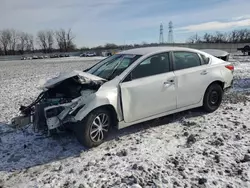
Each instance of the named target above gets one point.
<point>127,88</point>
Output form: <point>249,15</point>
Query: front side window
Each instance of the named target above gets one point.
<point>113,66</point>
<point>184,60</point>
<point>153,65</point>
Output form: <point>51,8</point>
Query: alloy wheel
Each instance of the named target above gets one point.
<point>99,127</point>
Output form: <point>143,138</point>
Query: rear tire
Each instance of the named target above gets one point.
<point>212,98</point>
<point>94,129</point>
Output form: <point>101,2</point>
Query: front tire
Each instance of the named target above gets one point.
<point>93,130</point>
<point>213,98</point>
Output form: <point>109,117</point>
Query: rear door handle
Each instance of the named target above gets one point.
<point>168,83</point>
<point>204,72</point>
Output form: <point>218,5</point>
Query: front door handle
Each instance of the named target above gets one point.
<point>204,72</point>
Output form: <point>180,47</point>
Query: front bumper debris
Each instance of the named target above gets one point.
<point>21,121</point>
<point>60,100</point>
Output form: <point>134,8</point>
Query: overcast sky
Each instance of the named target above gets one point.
<point>96,22</point>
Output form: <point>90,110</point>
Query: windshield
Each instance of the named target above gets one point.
<point>113,66</point>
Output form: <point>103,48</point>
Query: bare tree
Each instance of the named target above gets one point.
<point>50,40</point>
<point>1,50</point>
<point>70,38</point>
<point>227,37</point>
<point>30,43</point>
<point>26,42</point>
<point>61,39</point>
<point>23,42</point>
<point>248,36</point>
<point>65,40</point>
<point>242,35</point>
<point>235,36</point>
<point>13,40</point>
<point>194,39</point>
<point>42,40</point>
<point>219,37</point>
<point>207,38</point>
<point>5,38</point>
<point>111,46</point>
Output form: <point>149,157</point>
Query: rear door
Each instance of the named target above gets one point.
<point>192,77</point>
<point>149,89</point>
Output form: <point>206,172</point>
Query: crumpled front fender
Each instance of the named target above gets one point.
<point>92,104</point>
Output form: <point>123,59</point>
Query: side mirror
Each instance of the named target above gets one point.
<point>85,70</point>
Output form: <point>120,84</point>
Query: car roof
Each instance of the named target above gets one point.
<point>149,50</point>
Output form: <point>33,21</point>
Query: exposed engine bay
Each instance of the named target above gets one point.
<point>62,97</point>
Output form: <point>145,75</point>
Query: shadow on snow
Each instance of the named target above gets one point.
<point>22,148</point>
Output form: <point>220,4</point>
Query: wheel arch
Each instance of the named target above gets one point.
<point>219,82</point>
<point>86,110</point>
<point>110,108</point>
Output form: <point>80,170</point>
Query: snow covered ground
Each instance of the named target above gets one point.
<point>188,149</point>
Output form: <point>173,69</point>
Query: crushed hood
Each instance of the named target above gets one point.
<point>84,77</point>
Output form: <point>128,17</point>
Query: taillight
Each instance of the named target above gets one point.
<point>230,67</point>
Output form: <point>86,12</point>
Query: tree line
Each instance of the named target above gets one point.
<point>14,42</point>
<point>111,46</point>
<point>235,36</point>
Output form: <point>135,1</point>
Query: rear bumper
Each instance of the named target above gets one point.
<point>229,86</point>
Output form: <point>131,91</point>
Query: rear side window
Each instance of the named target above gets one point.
<point>184,60</point>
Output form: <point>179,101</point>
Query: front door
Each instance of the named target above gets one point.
<point>150,89</point>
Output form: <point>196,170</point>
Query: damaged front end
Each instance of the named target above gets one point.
<point>62,97</point>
